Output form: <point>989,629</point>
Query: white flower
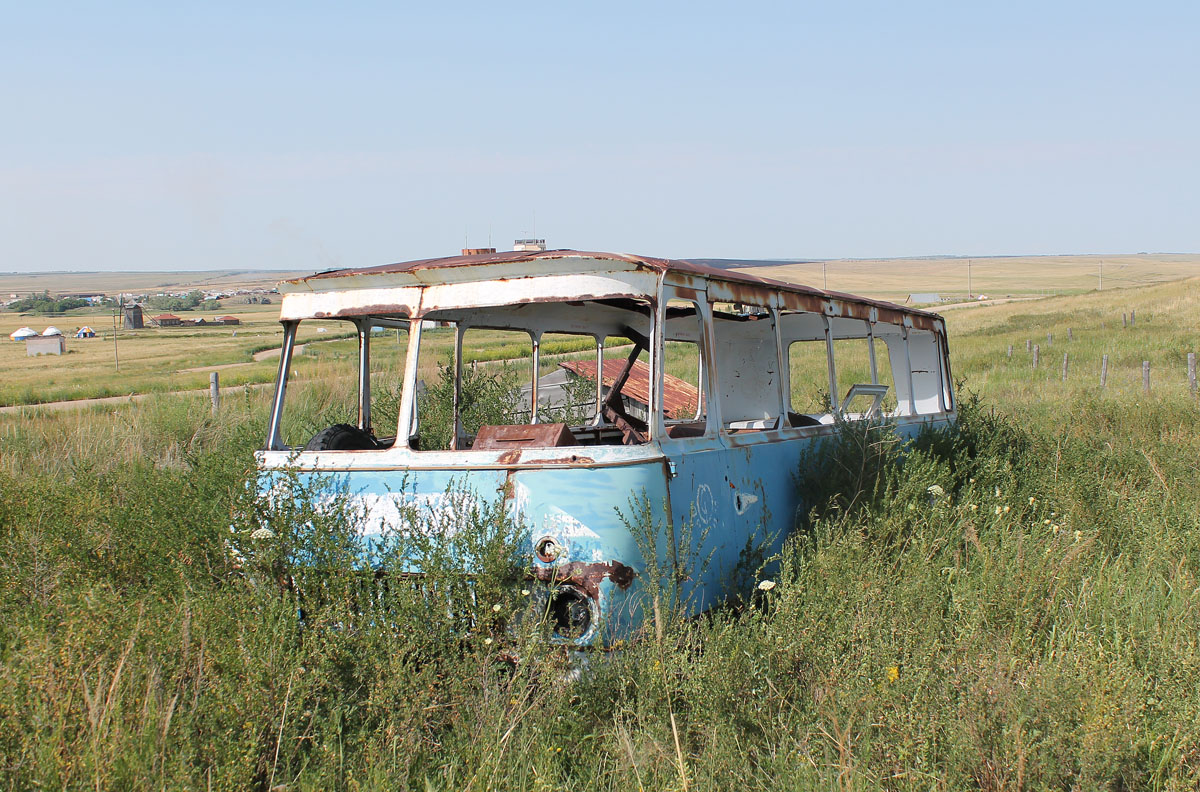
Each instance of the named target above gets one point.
<point>997,492</point>
<point>974,507</point>
<point>1078,535</point>
<point>1032,500</point>
<point>1006,508</point>
<point>997,510</point>
<point>487,641</point>
<point>496,608</point>
<point>1046,522</point>
<point>766,585</point>
<point>262,533</point>
<point>936,489</point>
<point>525,592</point>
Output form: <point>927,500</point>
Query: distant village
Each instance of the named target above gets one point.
<point>142,305</point>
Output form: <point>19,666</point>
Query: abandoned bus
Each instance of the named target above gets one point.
<point>580,387</point>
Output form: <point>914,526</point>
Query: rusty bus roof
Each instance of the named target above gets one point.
<point>328,280</point>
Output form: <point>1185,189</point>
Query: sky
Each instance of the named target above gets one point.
<point>164,136</point>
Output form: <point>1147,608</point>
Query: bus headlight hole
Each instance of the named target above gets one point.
<point>570,612</point>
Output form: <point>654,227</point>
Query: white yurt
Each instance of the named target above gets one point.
<point>23,333</point>
<point>51,331</point>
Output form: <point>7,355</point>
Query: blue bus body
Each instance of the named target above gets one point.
<point>696,476</point>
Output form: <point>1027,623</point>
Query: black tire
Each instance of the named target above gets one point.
<point>341,437</point>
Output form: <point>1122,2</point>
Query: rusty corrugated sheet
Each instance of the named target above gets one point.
<point>679,397</point>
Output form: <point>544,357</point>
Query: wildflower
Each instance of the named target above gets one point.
<point>997,510</point>
<point>1032,500</point>
<point>997,491</point>
<point>525,592</point>
<point>970,481</point>
<point>487,641</point>
<point>937,490</point>
<point>1056,527</point>
<point>1046,522</point>
<point>974,507</point>
<point>262,533</point>
<point>496,608</point>
<point>1006,507</point>
<point>1078,535</point>
<point>766,585</point>
<point>893,673</point>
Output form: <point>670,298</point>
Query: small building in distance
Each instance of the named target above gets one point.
<point>535,245</point>
<point>132,317</point>
<point>167,320</point>
<point>85,332</point>
<point>921,298</point>
<point>45,345</point>
<point>227,320</point>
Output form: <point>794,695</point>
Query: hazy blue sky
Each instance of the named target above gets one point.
<point>298,135</point>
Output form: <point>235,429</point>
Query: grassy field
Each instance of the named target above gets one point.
<point>166,360</point>
<point>1029,623</point>
<point>139,282</point>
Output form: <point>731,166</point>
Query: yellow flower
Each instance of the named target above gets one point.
<point>893,673</point>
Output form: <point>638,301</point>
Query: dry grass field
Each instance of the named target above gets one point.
<point>996,277</point>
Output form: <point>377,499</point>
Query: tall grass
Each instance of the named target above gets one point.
<point>1013,604</point>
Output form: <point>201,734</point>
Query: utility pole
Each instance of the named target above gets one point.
<point>824,277</point>
<point>118,310</point>
<point>970,294</point>
<point>1101,275</point>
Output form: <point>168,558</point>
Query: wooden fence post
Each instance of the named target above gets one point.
<point>1049,339</point>
<point>1028,345</point>
<point>214,390</point>
<point>1035,355</point>
<point>1010,350</point>
<point>1070,335</point>
<point>1064,366</point>
<point>1192,371</point>
<point>1124,322</point>
<point>1104,371</point>
<point>1146,375</point>
<point>1132,317</point>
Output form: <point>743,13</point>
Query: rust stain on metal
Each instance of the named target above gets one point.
<point>509,457</point>
<point>586,576</point>
<point>378,308</point>
<point>571,460</point>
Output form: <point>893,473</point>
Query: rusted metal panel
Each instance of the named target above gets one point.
<point>679,396</point>
<point>587,576</point>
<point>550,435</point>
